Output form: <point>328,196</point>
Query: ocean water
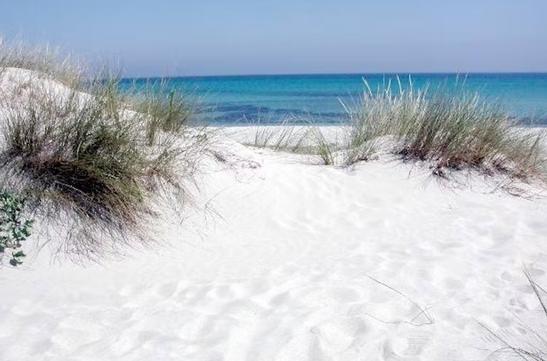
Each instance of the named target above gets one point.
<point>235,100</point>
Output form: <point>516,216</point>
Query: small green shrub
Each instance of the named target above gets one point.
<point>13,228</point>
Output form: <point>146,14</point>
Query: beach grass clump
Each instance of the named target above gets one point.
<point>369,120</point>
<point>286,136</point>
<point>299,139</point>
<point>46,61</point>
<point>273,137</point>
<point>166,110</point>
<point>96,159</point>
<point>324,148</point>
<point>452,130</point>
<point>78,155</point>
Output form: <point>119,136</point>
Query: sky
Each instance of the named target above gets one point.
<point>213,37</point>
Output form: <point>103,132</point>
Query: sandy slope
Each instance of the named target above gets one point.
<point>285,260</point>
<point>290,272</point>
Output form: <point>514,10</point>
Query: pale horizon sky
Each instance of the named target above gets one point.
<point>212,37</point>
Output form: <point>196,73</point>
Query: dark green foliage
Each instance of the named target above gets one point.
<point>13,228</point>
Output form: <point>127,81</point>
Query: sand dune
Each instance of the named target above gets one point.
<point>305,263</point>
<point>281,259</point>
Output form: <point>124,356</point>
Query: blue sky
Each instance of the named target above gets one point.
<point>168,37</point>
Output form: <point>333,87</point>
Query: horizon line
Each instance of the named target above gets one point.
<point>138,77</point>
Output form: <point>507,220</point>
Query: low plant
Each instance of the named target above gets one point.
<point>451,129</point>
<point>324,148</point>
<point>14,228</point>
<point>285,136</point>
<point>93,158</point>
<point>166,109</point>
<point>47,61</point>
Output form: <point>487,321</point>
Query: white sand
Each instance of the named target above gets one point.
<point>282,260</point>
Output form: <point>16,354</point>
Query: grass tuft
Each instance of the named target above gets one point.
<point>46,61</point>
<point>166,109</point>
<point>96,158</point>
<point>286,136</point>
<point>453,130</point>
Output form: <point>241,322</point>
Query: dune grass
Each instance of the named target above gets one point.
<point>324,148</point>
<point>94,155</point>
<point>451,130</point>
<point>276,138</point>
<point>535,348</point>
<point>47,61</point>
<point>287,136</point>
<point>167,110</point>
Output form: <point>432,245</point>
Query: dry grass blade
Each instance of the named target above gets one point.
<point>537,291</point>
<point>421,310</point>
<point>286,136</point>
<point>531,352</point>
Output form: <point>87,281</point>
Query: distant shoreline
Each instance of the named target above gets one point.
<point>391,74</point>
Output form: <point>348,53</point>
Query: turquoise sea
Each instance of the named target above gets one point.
<point>231,100</point>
